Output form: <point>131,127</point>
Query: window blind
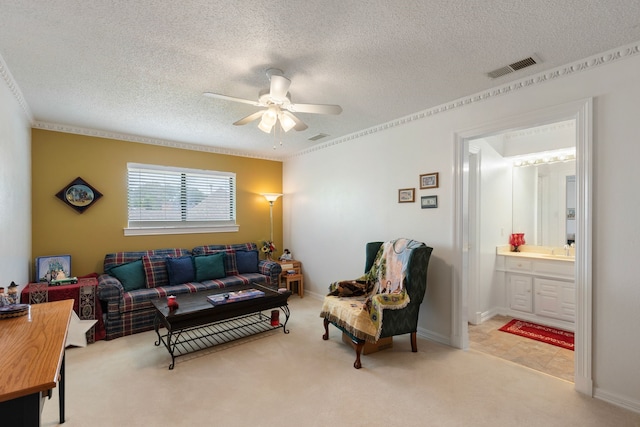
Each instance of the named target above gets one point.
<point>161,196</point>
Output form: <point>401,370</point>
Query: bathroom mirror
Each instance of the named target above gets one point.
<point>544,203</point>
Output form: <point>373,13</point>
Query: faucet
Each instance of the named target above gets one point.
<point>566,250</point>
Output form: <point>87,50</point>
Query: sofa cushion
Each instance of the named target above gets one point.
<point>180,270</point>
<point>230,264</point>
<point>247,261</point>
<point>131,275</point>
<point>114,259</point>
<point>209,267</point>
<point>155,270</point>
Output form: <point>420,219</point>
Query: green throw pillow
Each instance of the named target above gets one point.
<point>131,275</point>
<point>209,267</point>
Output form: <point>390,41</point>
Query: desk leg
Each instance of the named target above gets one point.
<point>61,390</point>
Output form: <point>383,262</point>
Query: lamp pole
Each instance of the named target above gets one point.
<point>271,220</point>
<point>271,198</point>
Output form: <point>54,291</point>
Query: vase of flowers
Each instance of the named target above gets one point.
<point>268,248</point>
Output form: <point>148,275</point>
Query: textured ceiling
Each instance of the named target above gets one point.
<point>139,68</point>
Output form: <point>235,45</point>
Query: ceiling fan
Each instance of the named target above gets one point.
<point>277,105</point>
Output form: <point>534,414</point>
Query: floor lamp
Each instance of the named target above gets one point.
<point>271,197</point>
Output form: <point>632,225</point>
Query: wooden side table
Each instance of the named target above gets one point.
<point>290,278</point>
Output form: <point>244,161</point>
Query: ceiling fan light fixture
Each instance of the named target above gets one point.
<point>264,127</point>
<point>269,118</point>
<point>286,122</point>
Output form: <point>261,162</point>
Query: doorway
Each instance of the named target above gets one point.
<point>467,264</point>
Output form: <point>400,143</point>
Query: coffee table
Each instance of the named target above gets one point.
<point>197,324</point>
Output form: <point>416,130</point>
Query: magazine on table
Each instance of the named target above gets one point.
<point>228,297</point>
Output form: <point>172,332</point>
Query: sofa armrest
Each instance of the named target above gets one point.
<point>110,289</point>
<point>272,270</point>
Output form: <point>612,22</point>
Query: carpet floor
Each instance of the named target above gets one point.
<point>298,379</point>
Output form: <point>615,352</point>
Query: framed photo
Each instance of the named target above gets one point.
<point>79,194</point>
<point>406,195</point>
<point>429,180</point>
<point>53,267</point>
<point>429,202</point>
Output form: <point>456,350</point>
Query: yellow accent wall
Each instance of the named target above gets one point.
<point>57,229</point>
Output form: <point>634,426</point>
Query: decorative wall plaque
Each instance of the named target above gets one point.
<point>79,194</point>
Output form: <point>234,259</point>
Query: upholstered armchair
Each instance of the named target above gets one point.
<point>374,312</point>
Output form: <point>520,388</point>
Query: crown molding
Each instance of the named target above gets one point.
<point>15,90</point>
<point>55,127</point>
<point>589,63</point>
<point>541,130</point>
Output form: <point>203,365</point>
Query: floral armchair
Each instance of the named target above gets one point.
<point>366,309</point>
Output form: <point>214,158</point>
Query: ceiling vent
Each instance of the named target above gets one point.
<point>518,65</point>
<point>318,136</point>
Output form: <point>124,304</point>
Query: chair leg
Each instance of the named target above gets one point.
<point>414,344</point>
<point>359,347</point>
<point>326,329</point>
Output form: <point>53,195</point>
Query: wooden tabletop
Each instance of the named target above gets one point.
<point>32,348</point>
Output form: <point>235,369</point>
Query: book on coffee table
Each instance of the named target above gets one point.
<point>229,297</point>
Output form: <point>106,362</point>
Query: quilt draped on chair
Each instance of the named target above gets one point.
<point>357,305</point>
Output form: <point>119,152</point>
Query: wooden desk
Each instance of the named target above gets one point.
<point>32,348</point>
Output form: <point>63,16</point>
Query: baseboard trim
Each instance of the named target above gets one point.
<point>615,399</point>
<point>434,336</point>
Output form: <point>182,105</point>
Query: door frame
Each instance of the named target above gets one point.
<point>581,112</point>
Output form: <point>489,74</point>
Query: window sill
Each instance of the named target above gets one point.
<point>156,231</point>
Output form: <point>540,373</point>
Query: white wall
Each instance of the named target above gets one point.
<point>339,197</point>
<point>495,226</point>
<point>15,189</point>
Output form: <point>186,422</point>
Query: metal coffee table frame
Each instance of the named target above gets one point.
<point>197,324</point>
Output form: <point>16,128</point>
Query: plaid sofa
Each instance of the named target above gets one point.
<point>131,312</point>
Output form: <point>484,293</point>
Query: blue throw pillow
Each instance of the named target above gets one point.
<point>209,267</point>
<point>180,270</point>
<point>247,261</point>
<point>131,275</point>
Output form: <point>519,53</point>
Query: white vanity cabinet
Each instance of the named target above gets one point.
<point>521,288</point>
<point>555,298</point>
<point>539,289</point>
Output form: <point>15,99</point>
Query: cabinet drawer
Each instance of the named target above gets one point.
<point>519,264</point>
<point>555,268</point>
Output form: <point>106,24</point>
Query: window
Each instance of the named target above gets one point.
<point>169,200</point>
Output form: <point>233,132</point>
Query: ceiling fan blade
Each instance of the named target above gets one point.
<point>249,118</point>
<point>231,98</point>
<point>315,108</point>
<point>279,87</point>
<point>300,125</point>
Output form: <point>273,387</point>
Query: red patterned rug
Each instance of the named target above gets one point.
<point>547,334</point>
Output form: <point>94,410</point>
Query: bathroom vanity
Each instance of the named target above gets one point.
<point>540,285</point>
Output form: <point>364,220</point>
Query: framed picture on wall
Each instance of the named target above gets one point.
<point>429,180</point>
<point>406,195</point>
<point>429,202</point>
<point>79,194</point>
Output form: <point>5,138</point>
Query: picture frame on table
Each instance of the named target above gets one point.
<point>54,267</point>
<point>429,180</point>
<point>79,194</point>
<point>406,195</point>
<point>429,202</point>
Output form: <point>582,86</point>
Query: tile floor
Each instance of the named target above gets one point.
<point>540,356</point>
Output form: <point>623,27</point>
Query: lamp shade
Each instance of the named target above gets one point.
<point>271,197</point>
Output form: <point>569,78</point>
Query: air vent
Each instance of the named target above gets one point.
<point>318,136</point>
<point>518,65</point>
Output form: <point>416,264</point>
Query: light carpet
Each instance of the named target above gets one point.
<point>300,380</point>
